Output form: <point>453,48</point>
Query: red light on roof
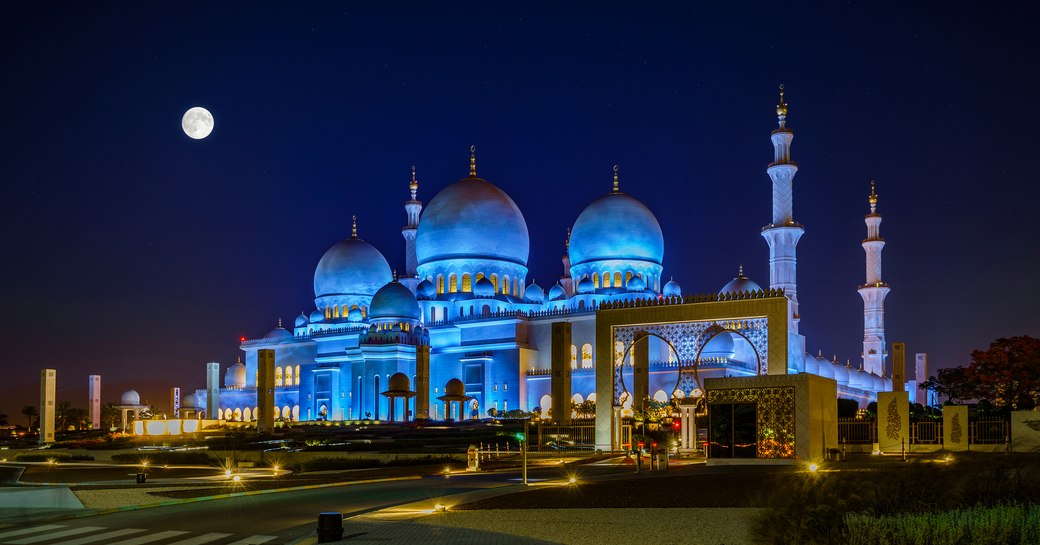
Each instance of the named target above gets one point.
<point>242,339</point>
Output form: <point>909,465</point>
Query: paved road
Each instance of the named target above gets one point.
<point>271,519</point>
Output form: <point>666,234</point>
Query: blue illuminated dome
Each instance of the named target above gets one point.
<point>557,292</point>
<point>672,289</point>
<point>350,273</point>
<point>301,320</point>
<point>636,284</point>
<point>316,316</point>
<point>426,290</point>
<point>586,286</point>
<point>394,302</point>
<point>235,377</point>
<point>616,227</point>
<point>534,294</point>
<point>484,288</point>
<point>740,284</point>
<point>278,334</point>
<point>472,218</point>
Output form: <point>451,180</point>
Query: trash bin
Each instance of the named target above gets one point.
<point>141,477</point>
<point>662,462</point>
<point>330,527</point>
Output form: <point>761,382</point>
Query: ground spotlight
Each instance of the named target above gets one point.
<point>236,478</point>
<point>814,467</point>
<point>440,508</point>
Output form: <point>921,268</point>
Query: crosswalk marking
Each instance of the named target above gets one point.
<point>103,537</point>
<point>23,531</point>
<point>150,538</point>
<point>199,540</point>
<point>253,540</point>
<point>54,535</point>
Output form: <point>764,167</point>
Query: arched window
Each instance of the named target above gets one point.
<point>485,310</point>
<point>345,310</point>
<point>617,280</point>
<point>237,415</point>
<point>277,376</point>
<point>581,305</point>
<point>296,413</point>
<point>660,396</point>
<point>628,277</point>
<point>586,356</point>
<point>516,288</point>
<point>595,279</point>
<point>467,283</point>
<point>453,283</point>
<point>328,313</point>
<point>297,381</point>
<point>288,375</point>
<point>440,284</point>
<point>494,281</point>
<point>478,276</point>
<point>505,285</point>
<point>364,311</point>
<point>247,415</point>
<point>286,413</point>
<point>335,311</point>
<point>606,279</point>
<point>574,357</point>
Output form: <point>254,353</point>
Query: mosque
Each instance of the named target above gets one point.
<point>463,334</point>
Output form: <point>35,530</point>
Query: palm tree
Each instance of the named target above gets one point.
<point>3,419</point>
<point>30,412</point>
<point>61,415</point>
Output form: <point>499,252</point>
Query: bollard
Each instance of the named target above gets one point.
<point>141,478</point>
<point>330,527</point>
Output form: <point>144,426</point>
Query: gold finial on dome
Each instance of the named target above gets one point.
<point>279,322</point>
<point>413,185</point>
<point>740,270</point>
<point>567,243</point>
<point>473,161</point>
<point>353,227</point>
<point>781,108</point>
<point>616,189</point>
<point>873,198</point>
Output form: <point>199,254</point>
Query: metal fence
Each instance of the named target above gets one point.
<point>988,431</point>
<point>550,438</point>
<point>983,431</point>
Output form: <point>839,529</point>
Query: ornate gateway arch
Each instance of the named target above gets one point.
<point>761,318</point>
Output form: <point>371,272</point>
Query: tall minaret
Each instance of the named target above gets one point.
<point>412,208</point>
<point>783,233</point>
<point>566,281</point>
<point>873,293</point>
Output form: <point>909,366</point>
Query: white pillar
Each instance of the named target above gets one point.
<point>94,401</point>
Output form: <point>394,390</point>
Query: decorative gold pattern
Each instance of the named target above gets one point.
<point>774,416</point>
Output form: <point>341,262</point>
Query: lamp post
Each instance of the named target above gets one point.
<point>522,437</point>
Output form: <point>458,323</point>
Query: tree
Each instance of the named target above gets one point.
<point>30,412</point>
<point>110,415</point>
<point>953,383</point>
<point>585,409</point>
<point>1008,372</point>
<point>61,415</point>
<point>3,419</point>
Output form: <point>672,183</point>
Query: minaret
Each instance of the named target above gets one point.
<point>873,293</point>
<point>412,208</point>
<point>566,281</point>
<point>783,233</point>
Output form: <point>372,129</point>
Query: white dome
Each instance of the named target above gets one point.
<point>130,397</point>
<point>235,377</point>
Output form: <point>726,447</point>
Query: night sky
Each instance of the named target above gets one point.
<point>139,254</point>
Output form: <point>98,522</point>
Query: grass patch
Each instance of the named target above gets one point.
<point>816,508</point>
<point>1001,525</point>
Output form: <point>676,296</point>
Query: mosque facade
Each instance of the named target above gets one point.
<point>462,333</point>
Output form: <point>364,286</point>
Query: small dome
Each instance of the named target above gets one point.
<point>190,401</point>
<point>672,289</point>
<point>841,373</point>
<point>354,315</point>
<point>235,377</point>
<point>586,285</point>
<point>557,292</point>
<point>534,294</point>
<point>278,334</point>
<point>484,288</point>
<point>454,387</point>
<point>636,284</point>
<point>472,218</point>
<point>740,284</point>
<point>302,320</point>
<point>399,381</point>
<point>130,397</point>
<point>596,235</point>
<point>426,289</point>
<point>811,366</point>
<point>351,267</point>
<point>394,301</point>
<point>317,316</point>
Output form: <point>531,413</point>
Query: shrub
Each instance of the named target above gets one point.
<point>1001,525</point>
<point>165,458</point>
<point>43,457</point>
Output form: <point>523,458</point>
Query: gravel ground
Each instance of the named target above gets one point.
<point>598,526</point>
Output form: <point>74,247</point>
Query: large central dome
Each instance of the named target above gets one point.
<point>616,227</point>
<point>352,267</point>
<point>472,218</point>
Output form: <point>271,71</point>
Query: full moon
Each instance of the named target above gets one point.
<point>197,123</point>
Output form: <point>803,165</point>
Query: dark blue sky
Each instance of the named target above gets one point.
<point>137,253</point>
